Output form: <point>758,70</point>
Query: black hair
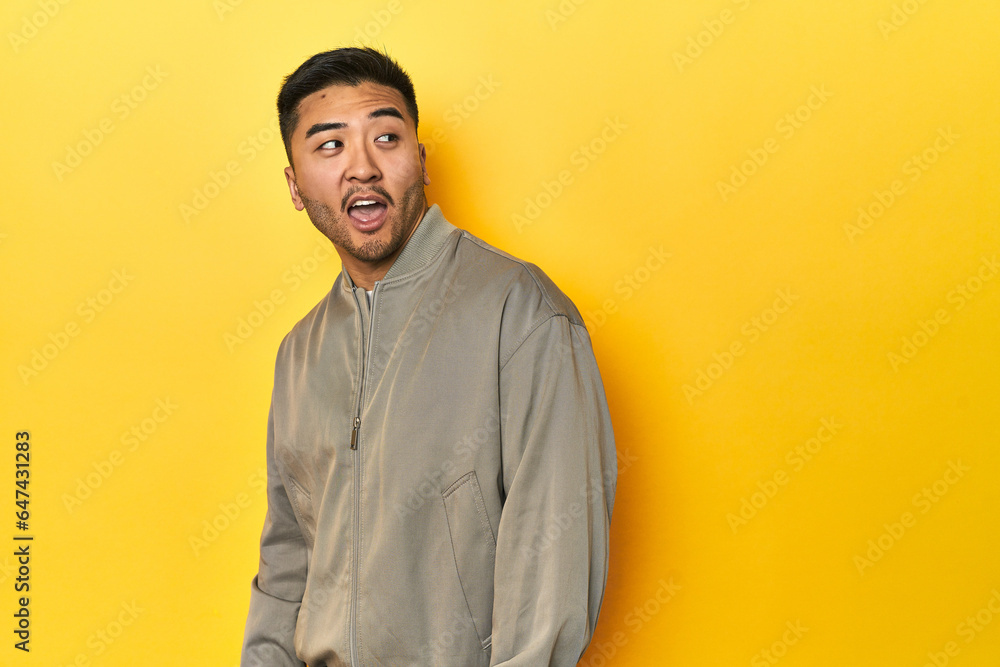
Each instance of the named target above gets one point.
<point>350,66</point>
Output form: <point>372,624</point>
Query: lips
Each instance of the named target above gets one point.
<point>367,211</point>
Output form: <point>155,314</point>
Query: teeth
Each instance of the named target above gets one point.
<point>363,202</point>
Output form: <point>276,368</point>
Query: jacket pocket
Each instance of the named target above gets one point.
<point>475,548</point>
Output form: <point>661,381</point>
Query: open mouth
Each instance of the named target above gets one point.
<point>366,210</point>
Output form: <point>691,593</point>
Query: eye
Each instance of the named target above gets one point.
<point>333,143</point>
<point>387,138</point>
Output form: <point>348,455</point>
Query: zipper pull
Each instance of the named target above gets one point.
<point>354,433</point>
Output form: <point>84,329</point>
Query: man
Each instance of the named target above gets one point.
<point>441,465</point>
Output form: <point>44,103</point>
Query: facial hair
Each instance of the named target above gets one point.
<point>336,227</point>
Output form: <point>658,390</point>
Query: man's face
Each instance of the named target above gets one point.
<point>359,171</point>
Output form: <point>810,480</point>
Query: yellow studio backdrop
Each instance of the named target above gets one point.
<point>779,218</point>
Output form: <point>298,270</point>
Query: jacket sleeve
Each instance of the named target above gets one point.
<point>559,477</point>
<point>276,592</point>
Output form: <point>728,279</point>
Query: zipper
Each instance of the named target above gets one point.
<point>366,344</point>
<point>354,433</point>
<point>366,339</point>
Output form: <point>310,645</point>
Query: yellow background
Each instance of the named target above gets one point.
<point>670,99</point>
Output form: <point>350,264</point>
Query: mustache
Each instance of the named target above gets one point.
<point>377,189</point>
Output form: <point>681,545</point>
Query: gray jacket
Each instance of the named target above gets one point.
<point>441,471</point>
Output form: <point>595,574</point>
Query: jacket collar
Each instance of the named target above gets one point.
<point>424,244</point>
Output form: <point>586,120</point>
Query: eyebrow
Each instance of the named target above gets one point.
<point>323,127</point>
<point>386,111</point>
<point>378,113</point>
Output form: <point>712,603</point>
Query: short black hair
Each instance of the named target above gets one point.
<point>349,66</point>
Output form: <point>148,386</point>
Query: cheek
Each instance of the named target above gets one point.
<point>321,182</point>
<point>407,171</point>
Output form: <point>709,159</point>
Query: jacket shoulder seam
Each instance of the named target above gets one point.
<point>520,262</point>
<point>527,335</point>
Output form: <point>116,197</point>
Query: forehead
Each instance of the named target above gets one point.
<point>344,104</point>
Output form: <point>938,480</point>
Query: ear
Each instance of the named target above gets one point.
<point>423,164</point>
<point>293,189</point>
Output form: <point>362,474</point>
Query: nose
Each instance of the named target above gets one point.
<point>361,167</point>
